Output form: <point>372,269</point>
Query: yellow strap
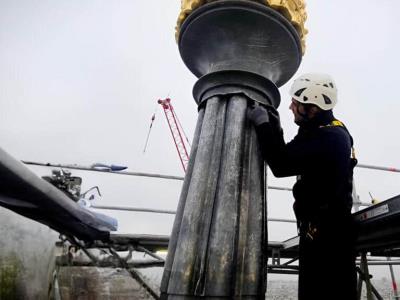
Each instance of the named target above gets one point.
<point>334,123</point>
<point>337,123</point>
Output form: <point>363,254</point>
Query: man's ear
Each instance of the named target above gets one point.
<point>314,110</point>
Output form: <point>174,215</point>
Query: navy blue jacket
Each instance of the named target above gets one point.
<point>320,155</point>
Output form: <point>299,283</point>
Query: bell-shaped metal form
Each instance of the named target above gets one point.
<point>240,36</point>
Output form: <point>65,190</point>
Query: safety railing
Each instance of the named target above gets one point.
<point>356,202</point>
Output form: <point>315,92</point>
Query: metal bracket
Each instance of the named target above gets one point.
<point>276,257</point>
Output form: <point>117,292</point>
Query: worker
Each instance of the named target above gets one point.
<point>321,156</point>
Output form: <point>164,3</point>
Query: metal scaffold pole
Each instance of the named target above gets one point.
<point>394,284</point>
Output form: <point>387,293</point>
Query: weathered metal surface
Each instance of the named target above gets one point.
<point>196,218</point>
<point>240,35</point>
<point>293,10</point>
<point>181,205</point>
<point>219,249</point>
<point>227,83</point>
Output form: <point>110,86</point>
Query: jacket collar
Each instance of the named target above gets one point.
<point>325,117</point>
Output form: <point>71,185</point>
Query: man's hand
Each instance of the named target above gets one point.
<point>258,115</point>
<point>274,118</point>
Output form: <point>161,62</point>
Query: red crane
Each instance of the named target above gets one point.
<point>176,131</point>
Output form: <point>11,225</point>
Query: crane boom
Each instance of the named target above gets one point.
<point>175,129</point>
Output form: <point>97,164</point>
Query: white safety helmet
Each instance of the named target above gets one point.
<point>315,88</point>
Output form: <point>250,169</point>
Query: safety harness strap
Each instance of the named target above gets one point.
<point>337,123</point>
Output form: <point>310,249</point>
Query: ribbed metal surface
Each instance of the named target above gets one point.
<point>218,239</point>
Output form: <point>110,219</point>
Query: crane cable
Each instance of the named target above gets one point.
<point>153,117</point>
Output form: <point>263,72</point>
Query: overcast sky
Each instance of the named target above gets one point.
<point>79,81</point>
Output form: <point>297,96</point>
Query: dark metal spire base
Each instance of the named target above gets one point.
<point>242,51</point>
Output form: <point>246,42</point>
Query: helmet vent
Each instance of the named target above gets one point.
<point>331,84</point>
<point>327,99</point>
<point>305,98</point>
<point>299,92</point>
<point>325,85</point>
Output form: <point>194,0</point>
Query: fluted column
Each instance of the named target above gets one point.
<point>218,240</point>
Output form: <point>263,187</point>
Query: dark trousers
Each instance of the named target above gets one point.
<point>327,267</point>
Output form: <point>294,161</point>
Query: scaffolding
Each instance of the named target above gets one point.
<point>379,231</point>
